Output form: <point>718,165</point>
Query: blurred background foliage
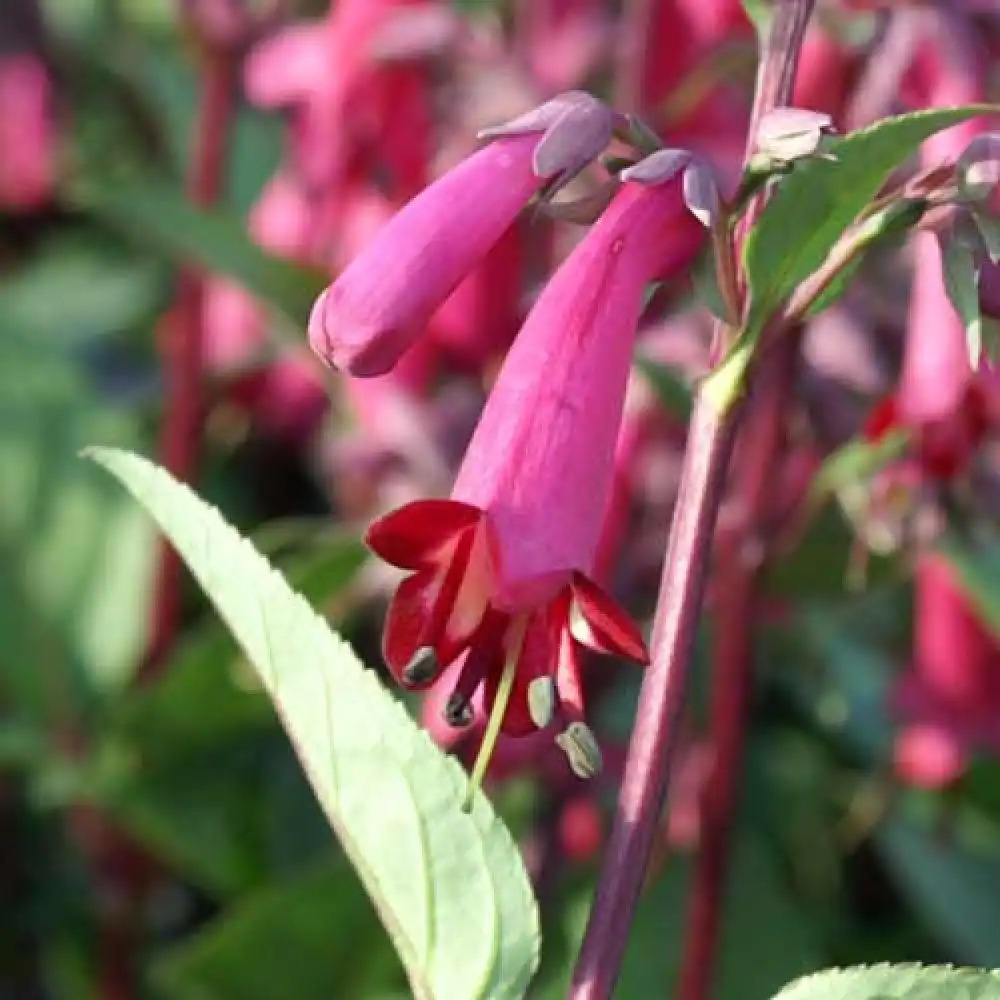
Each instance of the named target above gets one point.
<point>187,782</point>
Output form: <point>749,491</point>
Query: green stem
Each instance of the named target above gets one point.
<point>499,710</point>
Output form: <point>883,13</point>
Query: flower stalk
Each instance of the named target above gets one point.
<point>661,701</point>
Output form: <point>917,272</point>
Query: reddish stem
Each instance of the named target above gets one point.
<point>661,700</point>
<point>739,560</point>
<point>182,344</point>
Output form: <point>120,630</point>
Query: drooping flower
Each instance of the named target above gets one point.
<point>501,573</point>
<point>373,312</point>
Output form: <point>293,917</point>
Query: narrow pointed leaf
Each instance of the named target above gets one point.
<point>989,228</point>
<point>449,886</point>
<point>821,197</point>
<point>163,219</point>
<point>961,282</point>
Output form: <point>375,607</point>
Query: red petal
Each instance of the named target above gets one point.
<point>883,418</point>
<point>568,685</point>
<point>419,611</point>
<point>413,536</point>
<point>410,613</point>
<point>610,627</point>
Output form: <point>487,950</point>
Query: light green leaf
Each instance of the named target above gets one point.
<point>821,197</point>
<point>449,886</point>
<point>887,982</point>
<point>961,282</point>
<point>161,217</point>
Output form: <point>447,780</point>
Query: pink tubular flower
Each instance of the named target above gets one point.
<point>377,307</point>
<point>501,574</point>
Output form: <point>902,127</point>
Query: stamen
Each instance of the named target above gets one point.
<point>515,636</point>
<point>422,668</point>
<point>541,701</point>
<point>458,711</point>
<point>580,746</point>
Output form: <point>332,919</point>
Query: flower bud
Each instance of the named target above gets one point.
<point>978,168</point>
<point>788,134</point>
<point>698,186</point>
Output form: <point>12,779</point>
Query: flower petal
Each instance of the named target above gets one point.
<point>413,536</point>
<point>407,622</point>
<point>597,622</point>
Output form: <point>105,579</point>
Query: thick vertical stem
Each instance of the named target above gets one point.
<point>182,344</point>
<point>653,740</point>
<point>737,570</point>
<point>661,700</point>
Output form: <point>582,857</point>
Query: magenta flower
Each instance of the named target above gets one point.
<point>502,573</point>
<point>378,306</point>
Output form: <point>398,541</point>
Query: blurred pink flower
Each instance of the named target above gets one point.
<point>939,397</point>
<point>351,92</point>
<point>949,700</point>
<point>562,40</point>
<point>27,133</point>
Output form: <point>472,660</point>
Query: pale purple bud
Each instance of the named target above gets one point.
<point>978,168</point>
<point>701,193</point>
<point>575,128</point>
<point>788,134</point>
<point>658,168</point>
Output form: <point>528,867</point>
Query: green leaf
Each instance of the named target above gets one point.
<point>76,291</point>
<point>160,216</point>
<point>450,886</point>
<point>820,198</point>
<point>856,461</point>
<point>819,564</point>
<point>310,938</point>
<point>671,390</point>
<point>978,574</point>
<point>989,228</point>
<point>964,916</point>
<point>76,557</point>
<point>961,282</point>
<point>886,982</point>
<point>705,280</point>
